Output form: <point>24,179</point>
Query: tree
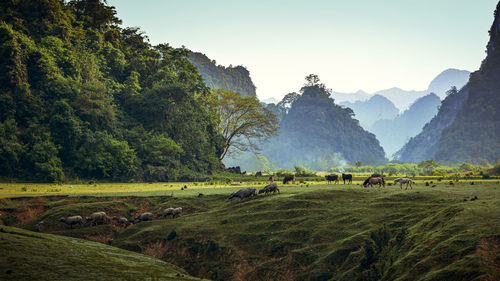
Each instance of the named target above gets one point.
<point>428,166</point>
<point>359,163</point>
<point>243,122</point>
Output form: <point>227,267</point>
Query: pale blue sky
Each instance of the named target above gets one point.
<point>351,45</point>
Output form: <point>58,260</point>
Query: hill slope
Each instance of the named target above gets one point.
<point>447,79</point>
<point>394,133</point>
<point>235,79</point>
<point>424,145</point>
<point>26,255</point>
<point>320,232</point>
<point>475,132</point>
<point>373,109</point>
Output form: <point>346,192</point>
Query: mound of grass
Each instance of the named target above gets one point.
<point>26,255</point>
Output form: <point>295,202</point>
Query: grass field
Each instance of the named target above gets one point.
<point>311,231</point>
<point>26,255</point>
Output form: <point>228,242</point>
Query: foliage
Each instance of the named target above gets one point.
<point>244,121</point>
<point>81,97</point>
<point>300,171</point>
<point>234,79</point>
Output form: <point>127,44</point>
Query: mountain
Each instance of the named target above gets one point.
<point>393,134</point>
<point>235,79</point>
<point>425,144</point>
<point>319,134</point>
<point>475,132</point>
<point>402,99</point>
<point>446,79</point>
<point>372,110</point>
<point>350,97</point>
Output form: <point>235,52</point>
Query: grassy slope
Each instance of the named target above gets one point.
<point>26,255</point>
<point>317,233</point>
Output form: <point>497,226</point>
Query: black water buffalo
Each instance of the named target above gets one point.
<point>333,177</point>
<point>288,178</point>
<point>347,177</point>
<point>270,188</point>
<point>243,193</point>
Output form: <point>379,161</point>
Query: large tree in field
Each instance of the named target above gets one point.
<point>244,122</point>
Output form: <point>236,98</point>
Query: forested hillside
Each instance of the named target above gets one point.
<point>424,145</point>
<point>374,109</point>
<point>317,133</point>
<point>475,132</point>
<point>235,79</point>
<point>81,97</point>
<point>393,134</point>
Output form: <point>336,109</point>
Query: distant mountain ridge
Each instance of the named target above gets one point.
<point>376,108</point>
<point>402,99</point>
<point>393,134</point>
<point>235,79</point>
<point>424,145</point>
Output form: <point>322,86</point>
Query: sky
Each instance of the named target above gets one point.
<point>351,44</point>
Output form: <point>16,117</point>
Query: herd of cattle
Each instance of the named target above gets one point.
<point>374,179</point>
<point>99,218</point>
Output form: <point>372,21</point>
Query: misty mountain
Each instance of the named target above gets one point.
<point>393,134</point>
<point>402,99</point>
<point>235,79</point>
<point>350,97</point>
<point>475,132</point>
<point>425,144</point>
<point>372,110</point>
<point>446,79</point>
<point>319,134</point>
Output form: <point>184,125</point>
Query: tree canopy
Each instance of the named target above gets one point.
<point>81,97</point>
<point>244,122</point>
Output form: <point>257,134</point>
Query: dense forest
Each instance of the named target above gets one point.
<point>235,79</point>
<point>475,132</point>
<point>317,133</point>
<point>81,97</point>
<point>424,145</point>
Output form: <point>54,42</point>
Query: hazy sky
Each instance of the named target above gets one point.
<point>350,44</point>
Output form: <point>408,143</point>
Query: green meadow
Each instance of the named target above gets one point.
<point>311,231</point>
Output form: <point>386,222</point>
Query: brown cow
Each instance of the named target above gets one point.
<point>288,178</point>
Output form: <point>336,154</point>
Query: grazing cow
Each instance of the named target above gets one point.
<point>243,193</point>
<point>270,188</point>
<point>347,177</point>
<point>72,220</point>
<point>147,216</point>
<point>121,220</point>
<point>402,181</point>
<point>333,177</point>
<point>97,218</point>
<point>371,181</point>
<point>377,176</point>
<point>288,178</point>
